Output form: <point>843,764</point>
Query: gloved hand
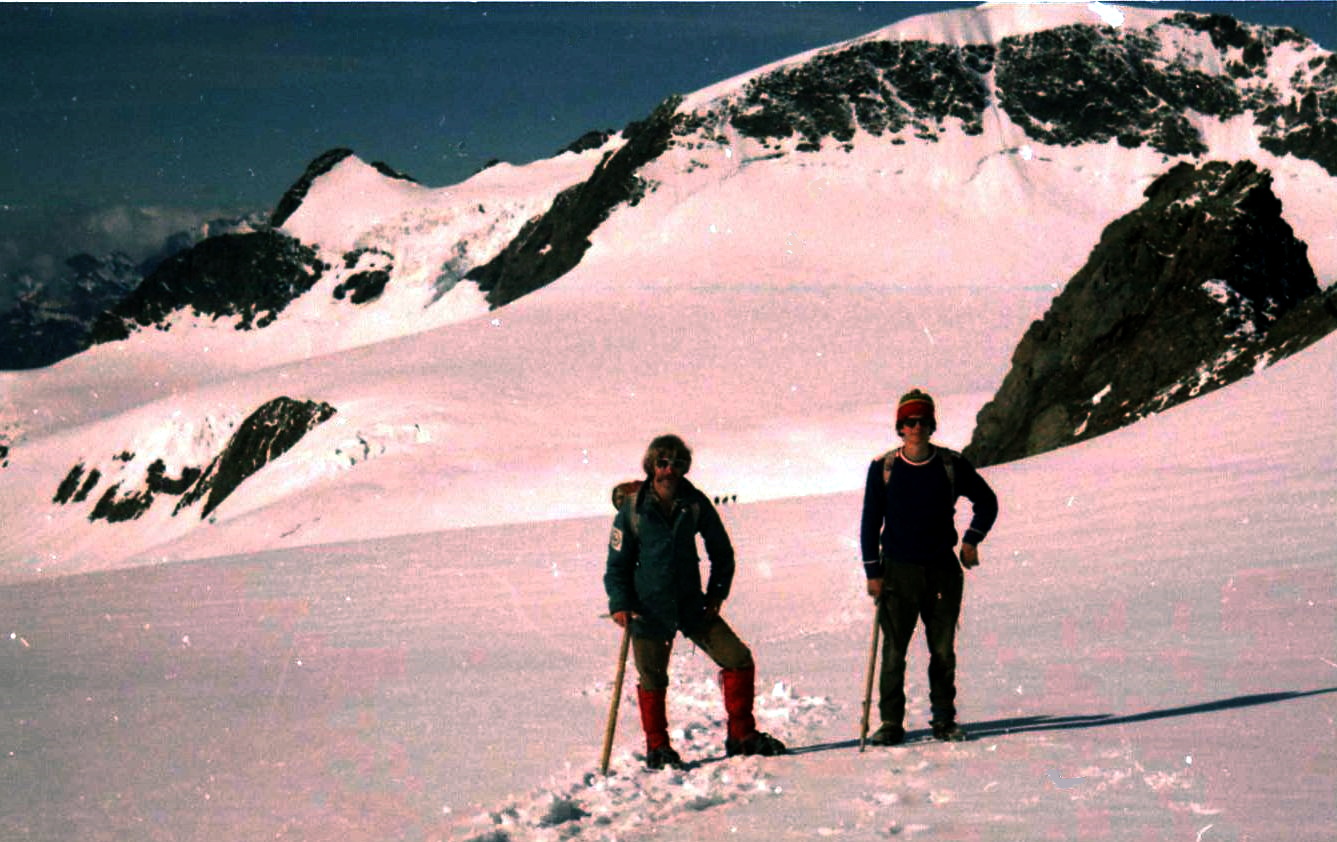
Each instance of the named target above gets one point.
<point>970,556</point>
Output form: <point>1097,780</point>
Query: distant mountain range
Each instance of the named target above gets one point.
<point>52,321</point>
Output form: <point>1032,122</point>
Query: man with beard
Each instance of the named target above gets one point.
<point>653,581</point>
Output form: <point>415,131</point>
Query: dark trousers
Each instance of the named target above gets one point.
<point>911,593</point>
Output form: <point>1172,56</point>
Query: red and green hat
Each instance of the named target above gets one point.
<point>915,403</point>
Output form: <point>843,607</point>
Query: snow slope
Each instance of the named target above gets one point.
<point>1147,652</point>
<point>698,310</point>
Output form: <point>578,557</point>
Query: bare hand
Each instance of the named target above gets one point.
<point>970,556</point>
<point>875,588</point>
<point>622,618</point>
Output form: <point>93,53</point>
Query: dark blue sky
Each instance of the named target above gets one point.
<point>123,122</point>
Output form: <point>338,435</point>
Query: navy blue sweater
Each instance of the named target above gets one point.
<point>912,518</point>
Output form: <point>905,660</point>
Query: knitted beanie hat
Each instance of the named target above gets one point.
<point>915,402</point>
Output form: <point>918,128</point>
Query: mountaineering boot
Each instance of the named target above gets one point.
<point>654,721</point>
<point>759,744</point>
<point>658,758</point>
<point>743,738</point>
<point>887,735</point>
<point>947,731</point>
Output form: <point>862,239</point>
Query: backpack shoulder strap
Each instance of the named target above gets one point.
<point>628,494</point>
<point>888,459</point>
<point>949,458</point>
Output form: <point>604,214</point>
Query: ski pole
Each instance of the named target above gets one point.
<point>617,698</point>
<point>872,669</point>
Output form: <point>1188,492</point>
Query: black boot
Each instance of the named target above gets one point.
<point>759,743</point>
<point>658,758</point>
<point>887,735</point>
<point>948,731</point>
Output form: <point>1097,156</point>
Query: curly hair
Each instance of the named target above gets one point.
<point>667,446</point>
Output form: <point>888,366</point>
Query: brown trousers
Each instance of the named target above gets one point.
<point>717,640</point>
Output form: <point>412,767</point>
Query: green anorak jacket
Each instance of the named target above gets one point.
<point>654,568</point>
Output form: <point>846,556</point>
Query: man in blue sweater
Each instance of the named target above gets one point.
<point>908,538</point>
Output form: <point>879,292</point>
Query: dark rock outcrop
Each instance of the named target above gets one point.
<point>250,276</point>
<point>551,245</point>
<point>390,172</point>
<point>266,434</point>
<point>374,267</point>
<point>1191,291</point>
<point>879,86</point>
<point>587,141</point>
<point>1065,86</point>
<point>52,321</point>
<point>184,240</point>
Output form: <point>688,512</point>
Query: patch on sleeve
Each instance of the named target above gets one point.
<point>615,540</point>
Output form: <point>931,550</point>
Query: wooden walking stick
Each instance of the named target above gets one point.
<point>617,698</point>
<point>872,670</point>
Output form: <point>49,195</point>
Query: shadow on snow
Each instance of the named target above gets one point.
<point>1024,724</point>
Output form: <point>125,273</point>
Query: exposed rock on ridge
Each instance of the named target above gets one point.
<point>550,245</point>
<point>326,161</point>
<point>1070,85</point>
<point>52,321</point>
<point>266,434</point>
<point>1195,289</point>
<point>292,200</point>
<point>251,276</point>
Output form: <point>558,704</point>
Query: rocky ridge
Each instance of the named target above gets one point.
<point>1071,85</point>
<point>250,276</point>
<point>131,490</point>
<point>1197,288</point>
<point>551,245</point>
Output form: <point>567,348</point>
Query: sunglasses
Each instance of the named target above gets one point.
<point>680,465</point>
<point>916,422</point>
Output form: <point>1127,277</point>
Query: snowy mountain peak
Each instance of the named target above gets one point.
<point>341,197</point>
<point>1062,74</point>
<point>990,23</point>
<point>1035,77</point>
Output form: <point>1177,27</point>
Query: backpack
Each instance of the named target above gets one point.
<point>948,464</point>
<point>632,489</point>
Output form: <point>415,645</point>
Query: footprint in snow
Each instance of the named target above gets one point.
<point>631,797</point>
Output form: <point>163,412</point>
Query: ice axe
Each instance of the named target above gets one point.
<point>617,698</point>
<point>872,670</point>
